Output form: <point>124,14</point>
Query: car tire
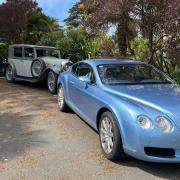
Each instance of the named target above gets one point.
<point>110,137</point>
<point>9,74</point>
<point>37,68</point>
<point>61,100</point>
<point>52,82</point>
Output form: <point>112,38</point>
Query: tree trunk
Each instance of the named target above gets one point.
<point>122,31</point>
<point>151,60</point>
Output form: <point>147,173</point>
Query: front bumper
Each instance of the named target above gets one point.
<point>154,139</point>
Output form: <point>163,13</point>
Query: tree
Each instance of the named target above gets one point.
<point>51,38</point>
<point>75,44</point>
<point>13,18</point>
<point>38,25</point>
<point>103,13</point>
<point>3,51</point>
<point>170,26</point>
<point>155,21</point>
<point>77,15</point>
<point>160,24</point>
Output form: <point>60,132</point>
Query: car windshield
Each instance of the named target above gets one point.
<point>48,52</point>
<point>117,74</point>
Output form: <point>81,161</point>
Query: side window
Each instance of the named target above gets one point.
<point>85,70</point>
<point>74,68</point>
<point>40,52</point>
<point>18,52</point>
<point>28,52</point>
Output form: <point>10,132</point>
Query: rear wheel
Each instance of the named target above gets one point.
<point>9,74</point>
<point>52,82</point>
<point>110,137</point>
<point>61,100</point>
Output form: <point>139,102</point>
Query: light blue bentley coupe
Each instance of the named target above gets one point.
<point>134,107</point>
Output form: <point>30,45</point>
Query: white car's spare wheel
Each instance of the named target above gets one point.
<point>37,67</point>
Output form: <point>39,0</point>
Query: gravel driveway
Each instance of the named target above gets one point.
<point>39,142</point>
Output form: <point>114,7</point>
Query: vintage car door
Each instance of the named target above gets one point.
<point>17,60</point>
<point>27,61</point>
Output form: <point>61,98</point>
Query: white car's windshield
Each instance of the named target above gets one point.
<point>115,74</point>
<point>48,52</point>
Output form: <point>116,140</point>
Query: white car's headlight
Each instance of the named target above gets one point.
<point>164,124</point>
<point>144,122</point>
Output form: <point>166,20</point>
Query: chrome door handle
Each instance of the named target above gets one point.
<point>72,82</point>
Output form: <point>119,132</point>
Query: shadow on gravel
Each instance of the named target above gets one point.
<point>166,171</point>
<point>38,85</point>
<point>15,137</point>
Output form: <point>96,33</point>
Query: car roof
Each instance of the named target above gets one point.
<point>97,62</point>
<point>32,46</point>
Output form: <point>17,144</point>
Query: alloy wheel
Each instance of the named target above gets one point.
<point>60,97</point>
<point>106,135</point>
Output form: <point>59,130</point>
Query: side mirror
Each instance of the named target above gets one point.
<point>85,79</point>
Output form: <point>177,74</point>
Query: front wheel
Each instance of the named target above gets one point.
<point>61,100</point>
<point>9,74</point>
<point>110,137</point>
<point>52,82</point>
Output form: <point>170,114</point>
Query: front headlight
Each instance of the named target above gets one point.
<point>144,122</point>
<point>164,124</point>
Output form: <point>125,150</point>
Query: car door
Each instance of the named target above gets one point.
<point>18,60</point>
<point>27,61</point>
<point>84,95</point>
<point>72,80</point>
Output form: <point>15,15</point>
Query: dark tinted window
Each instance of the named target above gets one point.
<point>29,52</point>
<point>48,52</point>
<point>85,70</point>
<point>74,67</point>
<point>17,52</point>
<point>131,74</point>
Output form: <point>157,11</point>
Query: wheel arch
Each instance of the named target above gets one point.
<point>44,75</point>
<point>59,84</point>
<point>118,118</point>
<point>99,114</point>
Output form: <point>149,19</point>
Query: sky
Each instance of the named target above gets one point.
<point>55,8</point>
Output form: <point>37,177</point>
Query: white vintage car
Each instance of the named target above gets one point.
<point>34,64</point>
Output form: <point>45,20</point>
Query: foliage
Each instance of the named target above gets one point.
<point>78,46</point>
<point>77,15</point>
<point>75,44</point>
<point>103,13</point>
<point>145,30</point>
<point>148,29</point>
<point>13,18</point>
<point>51,38</point>
<point>71,44</point>
<point>141,48</point>
<point>3,51</point>
<point>38,25</point>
